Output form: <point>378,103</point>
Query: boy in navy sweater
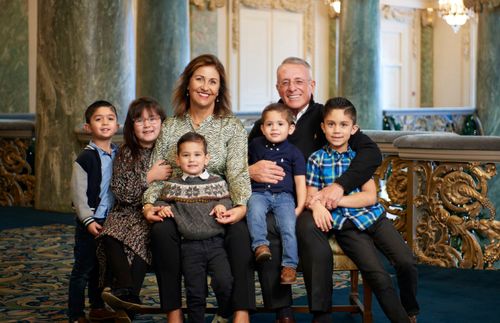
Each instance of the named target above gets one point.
<point>92,200</point>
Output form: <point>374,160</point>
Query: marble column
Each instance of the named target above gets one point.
<point>162,47</point>
<point>14,86</point>
<point>333,57</point>
<point>359,59</point>
<point>488,71</point>
<point>85,53</point>
<point>488,83</point>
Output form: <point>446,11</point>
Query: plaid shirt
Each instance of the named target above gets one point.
<point>323,167</point>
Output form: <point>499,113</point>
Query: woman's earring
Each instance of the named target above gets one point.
<point>217,99</point>
<point>187,92</point>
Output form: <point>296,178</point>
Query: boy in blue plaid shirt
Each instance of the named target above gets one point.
<point>359,222</point>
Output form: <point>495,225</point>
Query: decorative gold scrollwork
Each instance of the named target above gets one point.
<point>394,172</point>
<point>16,180</point>
<point>450,225</point>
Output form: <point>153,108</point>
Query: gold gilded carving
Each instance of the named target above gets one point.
<point>393,172</point>
<point>16,179</point>
<point>299,6</point>
<point>208,4</point>
<point>450,224</point>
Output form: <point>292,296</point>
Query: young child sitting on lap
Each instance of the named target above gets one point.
<point>277,124</point>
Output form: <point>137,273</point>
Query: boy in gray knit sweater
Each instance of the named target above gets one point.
<point>194,200</point>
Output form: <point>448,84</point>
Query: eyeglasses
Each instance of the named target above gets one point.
<point>150,120</point>
<point>295,82</point>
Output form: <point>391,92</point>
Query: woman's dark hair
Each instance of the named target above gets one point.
<point>180,100</point>
<point>192,137</point>
<point>135,110</point>
<point>340,103</point>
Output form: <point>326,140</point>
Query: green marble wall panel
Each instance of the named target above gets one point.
<point>488,83</point>
<point>426,70</point>
<point>14,81</point>
<point>203,24</point>
<point>84,54</point>
<point>162,47</point>
<point>360,59</point>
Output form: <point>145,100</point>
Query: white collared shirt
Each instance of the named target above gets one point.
<point>301,113</point>
<point>204,175</point>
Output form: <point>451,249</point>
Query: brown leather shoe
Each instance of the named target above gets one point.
<point>262,253</point>
<point>101,314</point>
<point>287,319</point>
<point>288,275</point>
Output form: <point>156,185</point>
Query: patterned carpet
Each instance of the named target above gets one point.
<point>35,264</point>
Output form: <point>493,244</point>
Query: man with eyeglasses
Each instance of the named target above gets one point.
<point>296,87</point>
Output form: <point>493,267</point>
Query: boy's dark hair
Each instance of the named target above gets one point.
<point>192,137</point>
<point>96,105</point>
<point>281,108</point>
<point>340,103</point>
<point>135,110</point>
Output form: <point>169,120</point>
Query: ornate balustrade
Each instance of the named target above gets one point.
<point>17,181</point>
<point>453,220</point>
<point>435,185</point>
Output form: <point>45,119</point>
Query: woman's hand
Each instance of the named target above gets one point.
<point>150,213</point>
<point>159,172</point>
<point>233,215</point>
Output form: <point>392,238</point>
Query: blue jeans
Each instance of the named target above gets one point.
<point>282,205</point>
<point>85,271</point>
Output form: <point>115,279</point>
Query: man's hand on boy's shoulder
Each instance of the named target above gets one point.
<point>266,171</point>
<point>94,228</point>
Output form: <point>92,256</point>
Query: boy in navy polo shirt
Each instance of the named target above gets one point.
<point>277,124</point>
<point>359,222</point>
<point>92,199</point>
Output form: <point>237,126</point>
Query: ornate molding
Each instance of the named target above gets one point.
<point>299,6</point>
<point>208,4</point>
<point>405,15</point>
<point>480,5</point>
<point>427,17</point>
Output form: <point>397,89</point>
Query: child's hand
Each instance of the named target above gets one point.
<point>159,172</point>
<point>218,211</point>
<point>322,217</point>
<point>94,228</point>
<point>166,212</point>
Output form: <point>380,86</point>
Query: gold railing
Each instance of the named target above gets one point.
<point>436,187</point>
<point>17,181</point>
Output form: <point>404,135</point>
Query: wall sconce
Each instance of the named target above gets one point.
<point>333,8</point>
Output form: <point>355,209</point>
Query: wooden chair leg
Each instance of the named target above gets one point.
<point>367,301</point>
